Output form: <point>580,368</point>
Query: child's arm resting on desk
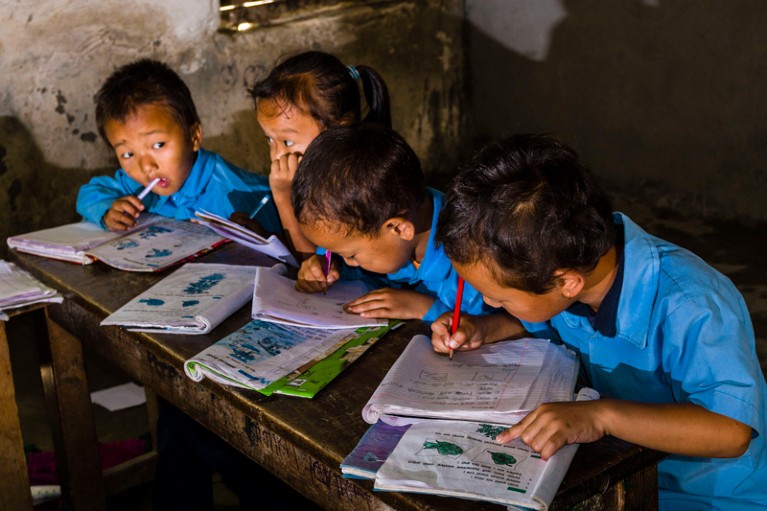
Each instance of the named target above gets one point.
<point>679,428</point>
<point>392,304</point>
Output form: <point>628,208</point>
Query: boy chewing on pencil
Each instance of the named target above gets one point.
<point>663,335</point>
<point>146,115</point>
<point>360,193</point>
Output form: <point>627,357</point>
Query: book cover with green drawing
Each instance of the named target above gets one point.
<point>307,381</point>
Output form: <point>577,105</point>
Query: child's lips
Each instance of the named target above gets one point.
<point>163,182</point>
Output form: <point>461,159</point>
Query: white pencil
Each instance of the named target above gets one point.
<point>148,188</point>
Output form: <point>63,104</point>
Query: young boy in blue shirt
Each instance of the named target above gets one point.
<point>360,193</point>
<point>664,337</point>
<point>145,113</point>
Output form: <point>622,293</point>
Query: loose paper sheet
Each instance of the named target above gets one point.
<point>119,397</point>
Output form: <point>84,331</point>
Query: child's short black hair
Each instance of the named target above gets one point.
<point>321,85</point>
<point>140,83</point>
<point>357,177</point>
<point>525,207</point>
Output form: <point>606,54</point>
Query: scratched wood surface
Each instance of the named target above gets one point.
<point>301,441</point>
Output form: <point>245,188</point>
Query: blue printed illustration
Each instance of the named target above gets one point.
<point>158,252</point>
<point>123,244</point>
<point>153,231</point>
<point>152,302</point>
<point>204,284</point>
<point>259,341</point>
<point>189,303</point>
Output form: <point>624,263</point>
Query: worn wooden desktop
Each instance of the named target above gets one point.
<point>301,441</point>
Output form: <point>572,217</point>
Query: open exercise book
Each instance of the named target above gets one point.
<point>435,421</point>
<point>154,244</point>
<point>18,289</point>
<point>275,299</point>
<point>270,246</point>
<point>194,299</point>
<point>271,357</point>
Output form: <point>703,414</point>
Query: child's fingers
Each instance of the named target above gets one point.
<point>309,286</point>
<point>440,333</point>
<point>128,205</point>
<point>292,160</point>
<point>333,275</point>
<point>311,278</point>
<point>365,303</point>
<point>364,299</point>
<point>116,220</point>
<point>515,431</point>
<point>135,203</point>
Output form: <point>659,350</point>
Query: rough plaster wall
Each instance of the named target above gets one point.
<point>55,54</point>
<point>662,97</point>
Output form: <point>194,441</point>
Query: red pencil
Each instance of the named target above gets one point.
<point>457,311</point>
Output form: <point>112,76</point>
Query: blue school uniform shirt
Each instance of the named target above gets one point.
<point>678,331</point>
<point>213,184</point>
<point>436,277</point>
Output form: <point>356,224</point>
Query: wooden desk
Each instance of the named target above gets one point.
<point>301,441</point>
<point>14,479</point>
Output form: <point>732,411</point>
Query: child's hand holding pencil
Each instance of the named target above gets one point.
<point>317,274</point>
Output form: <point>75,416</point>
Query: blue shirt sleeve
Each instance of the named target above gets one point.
<point>96,197</point>
<point>709,359</point>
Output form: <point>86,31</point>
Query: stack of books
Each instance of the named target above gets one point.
<point>19,289</point>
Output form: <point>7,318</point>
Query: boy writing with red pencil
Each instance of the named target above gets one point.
<point>361,194</point>
<point>663,335</point>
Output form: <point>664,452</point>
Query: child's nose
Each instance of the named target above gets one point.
<point>275,152</point>
<point>351,262</point>
<point>148,165</point>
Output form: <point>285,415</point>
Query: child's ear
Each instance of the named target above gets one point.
<point>571,283</point>
<point>196,135</point>
<point>401,227</point>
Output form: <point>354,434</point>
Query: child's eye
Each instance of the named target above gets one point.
<point>126,155</point>
<point>158,145</point>
<point>269,139</point>
<point>288,143</point>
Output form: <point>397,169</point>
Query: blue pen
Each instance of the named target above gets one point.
<point>260,205</point>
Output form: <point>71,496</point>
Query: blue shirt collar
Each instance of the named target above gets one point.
<point>605,319</point>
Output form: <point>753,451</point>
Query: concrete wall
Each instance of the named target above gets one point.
<point>665,98</point>
<point>54,55</point>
